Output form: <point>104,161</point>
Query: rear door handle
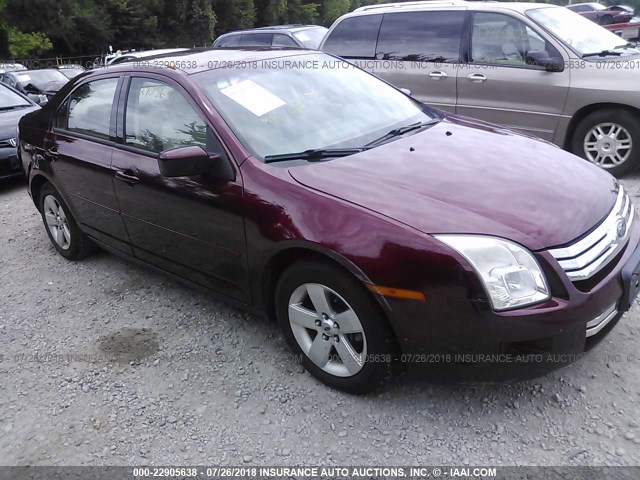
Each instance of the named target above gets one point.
<point>127,177</point>
<point>477,78</point>
<point>438,75</point>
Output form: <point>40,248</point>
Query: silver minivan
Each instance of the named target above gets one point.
<point>537,68</point>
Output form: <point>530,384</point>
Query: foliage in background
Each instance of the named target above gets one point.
<point>87,27</point>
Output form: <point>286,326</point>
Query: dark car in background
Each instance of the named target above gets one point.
<point>602,14</point>
<point>302,36</point>
<point>38,85</point>
<point>13,105</point>
<point>378,232</point>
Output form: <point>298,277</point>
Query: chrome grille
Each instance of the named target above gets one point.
<point>588,256</point>
<point>8,143</point>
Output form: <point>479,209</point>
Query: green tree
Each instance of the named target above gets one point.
<point>22,45</point>
<point>332,9</point>
<point>234,15</point>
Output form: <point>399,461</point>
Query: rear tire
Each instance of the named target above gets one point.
<point>61,227</point>
<point>606,20</point>
<point>609,138</point>
<point>328,315</point>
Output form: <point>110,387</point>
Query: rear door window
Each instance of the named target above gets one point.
<point>88,109</point>
<point>355,37</point>
<point>421,36</point>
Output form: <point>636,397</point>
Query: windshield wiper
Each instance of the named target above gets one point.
<point>398,132</point>
<point>627,45</point>
<point>603,53</point>
<point>314,155</point>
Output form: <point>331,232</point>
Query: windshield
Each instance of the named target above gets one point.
<point>311,37</point>
<point>71,72</point>
<point>577,32</point>
<point>10,99</point>
<point>304,102</point>
<point>40,76</point>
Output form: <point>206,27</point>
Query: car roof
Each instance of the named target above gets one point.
<point>22,72</point>
<point>438,4</point>
<point>275,28</point>
<point>201,59</point>
<point>152,53</point>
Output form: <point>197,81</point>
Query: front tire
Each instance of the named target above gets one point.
<point>334,325</point>
<point>609,138</point>
<point>61,227</point>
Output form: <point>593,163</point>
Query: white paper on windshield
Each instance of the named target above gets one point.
<point>23,78</point>
<point>253,97</point>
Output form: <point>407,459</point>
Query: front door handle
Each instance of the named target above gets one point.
<point>127,177</point>
<point>477,78</point>
<point>438,75</point>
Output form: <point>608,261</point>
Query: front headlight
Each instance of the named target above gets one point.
<point>511,274</point>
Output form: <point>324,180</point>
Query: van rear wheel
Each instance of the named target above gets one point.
<point>609,138</point>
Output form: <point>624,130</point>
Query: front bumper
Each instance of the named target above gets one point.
<point>9,163</point>
<point>465,340</point>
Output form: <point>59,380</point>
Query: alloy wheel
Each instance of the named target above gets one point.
<point>608,145</point>
<point>327,330</point>
<point>57,222</point>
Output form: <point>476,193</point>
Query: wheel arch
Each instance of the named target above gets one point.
<point>287,256</point>
<point>35,187</point>
<point>588,109</point>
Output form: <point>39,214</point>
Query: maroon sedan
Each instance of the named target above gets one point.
<point>377,231</point>
<point>602,14</point>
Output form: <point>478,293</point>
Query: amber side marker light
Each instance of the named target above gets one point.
<point>398,293</point>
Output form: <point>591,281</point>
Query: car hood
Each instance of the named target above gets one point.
<point>9,121</point>
<point>465,176</point>
<point>46,88</point>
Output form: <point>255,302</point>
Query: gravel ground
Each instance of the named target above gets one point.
<point>106,363</point>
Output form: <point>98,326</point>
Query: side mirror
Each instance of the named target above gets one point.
<point>406,91</point>
<point>542,59</point>
<point>186,162</point>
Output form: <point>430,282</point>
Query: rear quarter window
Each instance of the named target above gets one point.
<point>228,41</point>
<point>354,37</point>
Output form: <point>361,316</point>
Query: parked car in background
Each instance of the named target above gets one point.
<point>38,85</point>
<point>576,95</point>
<point>71,71</point>
<point>11,67</point>
<point>140,56</point>
<point>376,230</point>
<point>302,36</point>
<point>13,105</point>
<point>622,8</point>
<point>601,14</point>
